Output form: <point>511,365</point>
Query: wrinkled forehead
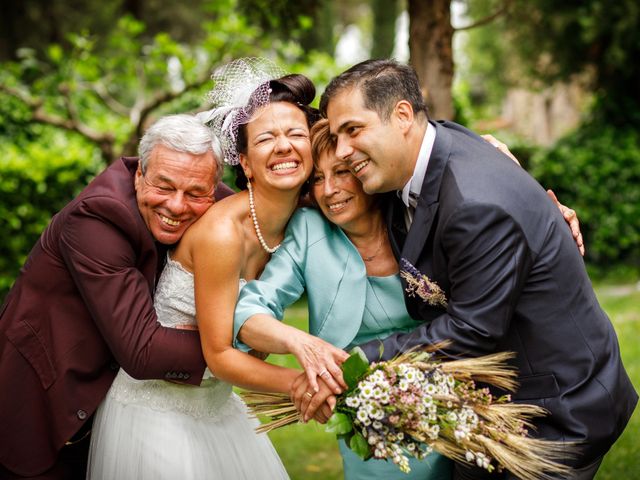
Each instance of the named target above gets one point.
<point>181,166</point>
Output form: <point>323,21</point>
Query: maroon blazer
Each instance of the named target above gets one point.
<point>82,307</point>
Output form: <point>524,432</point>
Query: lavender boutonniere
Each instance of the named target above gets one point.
<point>421,285</point>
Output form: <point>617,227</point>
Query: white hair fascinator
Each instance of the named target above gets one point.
<point>240,88</point>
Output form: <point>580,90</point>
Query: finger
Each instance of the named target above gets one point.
<point>295,386</point>
<point>314,403</point>
<point>581,245</point>
<point>297,391</point>
<point>341,356</point>
<point>312,379</point>
<point>336,373</point>
<point>301,400</point>
<point>552,195</point>
<point>306,400</point>
<point>323,414</point>
<point>575,227</point>
<point>326,409</point>
<point>331,382</point>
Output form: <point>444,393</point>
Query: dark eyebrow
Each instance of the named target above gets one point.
<point>344,126</point>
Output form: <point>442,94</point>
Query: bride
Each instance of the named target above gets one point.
<point>157,429</point>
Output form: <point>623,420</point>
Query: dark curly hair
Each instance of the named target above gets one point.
<point>295,89</point>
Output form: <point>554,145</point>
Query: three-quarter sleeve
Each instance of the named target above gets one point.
<point>281,283</point>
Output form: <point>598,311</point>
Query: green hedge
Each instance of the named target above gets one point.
<point>596,170</point>
<point>36,180</point>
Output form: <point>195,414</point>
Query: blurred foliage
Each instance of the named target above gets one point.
<point>385,13</point>
<point>537,42</point>
<point>37,178</point>
<point>69,109</point>
<point>600,37</point>
<point>308,21</point>
<point>488,68</point>
<point>35,24</point>
<point>596,171</point>
<point>109,94</point>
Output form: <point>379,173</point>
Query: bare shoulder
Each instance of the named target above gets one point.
<point>220,227</point>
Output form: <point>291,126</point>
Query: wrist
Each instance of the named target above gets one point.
<point>294,341</point>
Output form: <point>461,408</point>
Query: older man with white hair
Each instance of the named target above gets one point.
<point>82,305</point>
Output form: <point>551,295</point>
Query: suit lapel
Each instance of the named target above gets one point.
<point>394,217</point>
<point>428,201</point>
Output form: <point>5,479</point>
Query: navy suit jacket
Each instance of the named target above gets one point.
<point>487,233</point>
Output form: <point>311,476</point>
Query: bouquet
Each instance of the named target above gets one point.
<point>415,404</point>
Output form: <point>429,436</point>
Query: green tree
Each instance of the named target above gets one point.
<point>36,24</point>
<point>309,22</point>
<point>66,113</point>
<point>107,94</point>
<point>385,14</point>
<point>541,42</point>
<point>559,39</point>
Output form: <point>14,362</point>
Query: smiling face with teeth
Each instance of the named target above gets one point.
<point>278,149</point>
<point>377,150</point>
<point>176,189</point>
<point>338,193</point>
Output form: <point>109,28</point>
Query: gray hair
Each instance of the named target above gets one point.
<point>182,133</point>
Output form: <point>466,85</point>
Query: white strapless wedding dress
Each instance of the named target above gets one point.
<point>153,429</point>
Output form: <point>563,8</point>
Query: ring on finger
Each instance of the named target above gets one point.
<point>323,372</point>
<point>309,394</point>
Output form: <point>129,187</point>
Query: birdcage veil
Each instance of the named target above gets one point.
<point>240,88</point>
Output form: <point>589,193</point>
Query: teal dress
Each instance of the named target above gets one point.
<point>384,314</point>
<point>346,308</point>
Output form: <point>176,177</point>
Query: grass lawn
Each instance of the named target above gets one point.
<point>309,453</point>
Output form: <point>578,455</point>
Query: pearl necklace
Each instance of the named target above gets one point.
<point>252,209</point>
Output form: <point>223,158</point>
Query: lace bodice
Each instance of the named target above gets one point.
<point>174,301</point>
<point>175,305</point>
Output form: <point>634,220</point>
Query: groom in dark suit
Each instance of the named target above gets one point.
<point>463,214</point>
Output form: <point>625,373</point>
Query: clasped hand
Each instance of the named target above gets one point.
<point>320,360</point>
<point>317,405</point>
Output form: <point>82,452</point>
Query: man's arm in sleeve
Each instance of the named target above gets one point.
<point>101,255</point>
<point>488,261</point>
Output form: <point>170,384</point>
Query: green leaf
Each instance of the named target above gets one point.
<point>355,367</point>
<point>360,446</point>
<point>55,53</point>
<point>339,423</point>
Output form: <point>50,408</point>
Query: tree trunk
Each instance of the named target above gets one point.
<point>431,53</point>
<point>385,13</point>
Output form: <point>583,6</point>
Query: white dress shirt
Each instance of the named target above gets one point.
<point>411,191</point>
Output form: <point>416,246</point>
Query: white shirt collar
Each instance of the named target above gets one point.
<point>414,185</point>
